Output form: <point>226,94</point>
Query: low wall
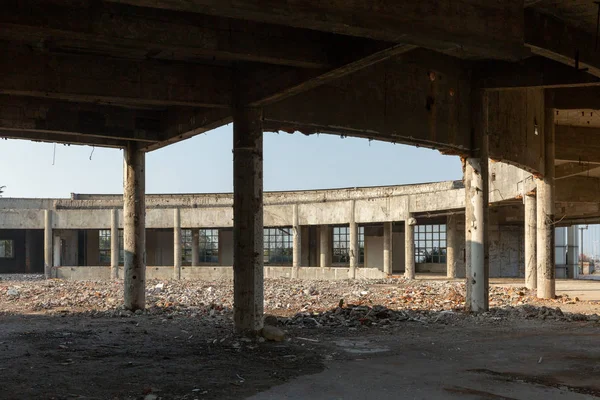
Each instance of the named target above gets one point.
<point>431,267</point>
<point>213,273</point>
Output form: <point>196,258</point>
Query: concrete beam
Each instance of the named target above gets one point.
<point>552,38</point>
<point>134,224</point>
<point>94,79</point>
<point>533,72</point>
<point>570,169</point>
<point>142,33</point>
<point>493,29</point>
<point>577,189</point>
<point>578,144</point>
<point>44,119</point>
<point>248,219</point>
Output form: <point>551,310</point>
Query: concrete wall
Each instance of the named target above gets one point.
<point>507,252</point>
<point>398,252</point>
<point>212,273</point>
<point>226,247</point>
<point>374,252</point>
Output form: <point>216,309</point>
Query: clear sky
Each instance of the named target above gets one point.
<point>203,164</point>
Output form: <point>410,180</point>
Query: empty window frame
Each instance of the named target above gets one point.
<point>104,238</point>
<point>341,245</point>
<point>430,244</point>
<point>209,246</point>
<point>7,248</point>
<point>104,246</point>
<point>278,246</point>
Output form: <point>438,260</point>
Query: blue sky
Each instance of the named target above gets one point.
<point>203,164</point>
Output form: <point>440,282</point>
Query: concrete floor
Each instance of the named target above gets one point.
<point>528,361</point>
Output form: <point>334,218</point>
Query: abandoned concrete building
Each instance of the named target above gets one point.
<point>500,84</point>
<point>306,235</point>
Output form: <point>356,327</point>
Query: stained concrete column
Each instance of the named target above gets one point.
<point>545,214</point>
<point>409,248</point>
<point>387,248</point>
<point>324,246</point>
<point>177,244</point>
<point>56,261</point>
<point>476,211</point>
<point>248,219</point>
<point>297,244</point>
<point>452,247</point>
<point>48,261</point>
<point>134,227</point>
<point>354,246</point>
<point>195,247</point>
<point>530,242</point>
<point>114,244</point>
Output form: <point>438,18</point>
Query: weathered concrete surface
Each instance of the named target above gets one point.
<point>114,244</point>
<point>248,219</point>
<point>177,244</point>
<point>530,242</point>
<point>48,261</point>
<point>409,248</point>
<point>387,248</point>
<point>297,242</point>
<point>353,245</point>
<point>94,273</point>
<point>134,232</point>
<point>545,216</point>
<point>471,362</point>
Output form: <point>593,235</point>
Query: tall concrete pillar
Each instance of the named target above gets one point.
<point>134,227</point>
<point>545,213</point>
<point>452,247</point>
<point>177,245</point>
<point>476,220</point>
<point>114,244</point>
<point>409,248</point>
<point>530,242</point>
<point>248,219</point>
<point>48,261</point>
<point>195,247</point>
<point>387,248</point>
<point>324,246</point>
<point>354,246</point>
<point>56,261</point>
<point>297,244</point>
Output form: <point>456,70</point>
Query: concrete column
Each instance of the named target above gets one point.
<point>324,246</point>
<point>409,248</point>
<point>476,215</point>
<point>48,261</point>
<point>56,261</point>
<point>177,245</point>
<point>134,227</point>
<point>452,247</point>
<point>114,244</point>
<point>195,247</point>
<point>545,214</point>
<point>530,242</point>
<point>248,219</point>
<point>354,247</point>
<point>387,248</point>
<point>297,249</point>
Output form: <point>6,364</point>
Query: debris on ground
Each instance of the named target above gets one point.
<point>294,303</point>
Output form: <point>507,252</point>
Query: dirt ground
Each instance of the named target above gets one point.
<point>70,340</point>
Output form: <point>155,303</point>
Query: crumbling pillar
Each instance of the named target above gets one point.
<point>387,248</point>
<point>452,247</point>
<point>48,261</point>
<point>545,213</point>
<point>354,245</point>
<point>114,244</point>
<point>530,242</point>
<point>409,247</point>
<point>177,245</point>
<point>297,244</point>
<point>134,227</point>
<point>195,247</point>
<point>324,246</point>
<point>248,219</point>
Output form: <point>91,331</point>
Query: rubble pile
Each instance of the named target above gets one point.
<point>304,304</point>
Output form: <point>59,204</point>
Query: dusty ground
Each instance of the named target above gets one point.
<point>73,340</point>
